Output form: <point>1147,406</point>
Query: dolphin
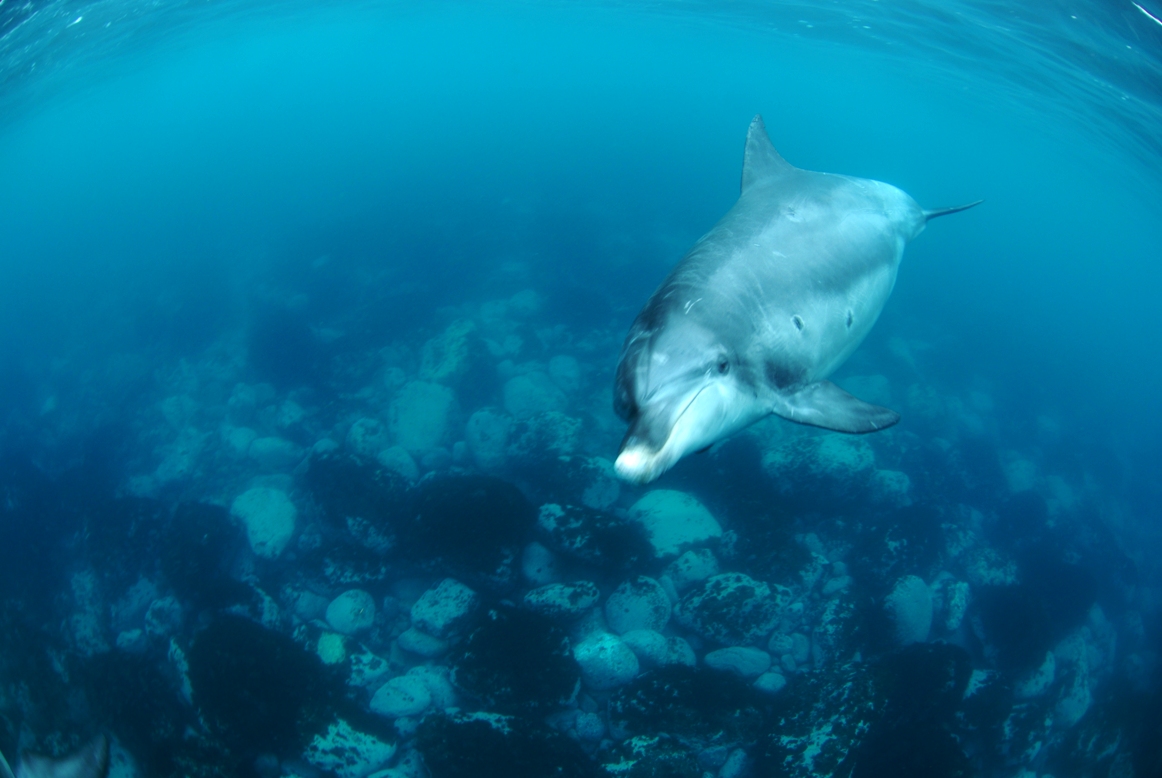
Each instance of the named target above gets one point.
<point>91,761</point>
<point>761,310</point>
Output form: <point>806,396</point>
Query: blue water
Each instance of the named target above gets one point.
<point>299,196</point>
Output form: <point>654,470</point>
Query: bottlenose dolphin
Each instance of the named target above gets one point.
<point>91,761</point>
<point>761,310</point>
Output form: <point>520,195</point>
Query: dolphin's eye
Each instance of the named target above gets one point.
<point>723,366</point>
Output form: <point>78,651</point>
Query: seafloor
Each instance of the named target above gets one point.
<point>312,551</point>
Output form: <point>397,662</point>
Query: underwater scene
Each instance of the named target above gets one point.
<point>519,389</point>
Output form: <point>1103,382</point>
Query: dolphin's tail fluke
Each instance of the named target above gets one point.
<point>932,214</point>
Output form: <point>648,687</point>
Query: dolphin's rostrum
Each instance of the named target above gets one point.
<point>761,310</point>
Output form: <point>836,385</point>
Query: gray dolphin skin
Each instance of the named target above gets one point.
<point>91,761</point>
<point>761,310</point>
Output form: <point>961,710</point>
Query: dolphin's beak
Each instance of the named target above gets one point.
<point>660,437</point>
<point>641,463</point>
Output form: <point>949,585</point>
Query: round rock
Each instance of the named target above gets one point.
<point>648,646</point>
<point>406,695</point>
<point>420,643</point>
<point>674,521</point>
<point>692,567</point>
<point>443,609</point>
<point>563,600</point>
<point>367,437</point>
<point>269,517</point>
<point>605,661</point>
<point>770,683</point>
<point>538,565</point>
<point>351,612</point>
<point>744,661</point>
<point>638,604</point>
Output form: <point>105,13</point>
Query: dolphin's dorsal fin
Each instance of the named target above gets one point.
<point>760,161</point>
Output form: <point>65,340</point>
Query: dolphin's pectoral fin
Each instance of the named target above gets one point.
<point>761,161</point>
<point>932,213</point>
<point>825,405</point>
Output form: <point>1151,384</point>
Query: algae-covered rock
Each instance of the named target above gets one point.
<point>593,536</point>
<point>259,689</point>
<point>563,601</point>
<point>471,527</point>
<point>732,608</point>
<point>517,661</point>
<point>346,752</point>
<point>490,745</point>
<point>696,705</point>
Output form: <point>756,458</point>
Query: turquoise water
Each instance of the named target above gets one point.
<point>196,196</point>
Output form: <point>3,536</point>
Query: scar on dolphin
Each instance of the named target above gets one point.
<point>761,310</point>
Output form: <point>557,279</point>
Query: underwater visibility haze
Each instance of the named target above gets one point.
<point>310,323</point>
